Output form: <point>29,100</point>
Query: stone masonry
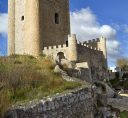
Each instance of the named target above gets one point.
<point>75,104</point>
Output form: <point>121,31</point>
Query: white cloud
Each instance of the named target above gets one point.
<point>3,23</point>
<point>84,23</point>
<point>121,27</point>
<point>126,28</point>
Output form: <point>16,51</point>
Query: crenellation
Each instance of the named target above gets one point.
<point>93,40</point>
<point>64,45</point>
<point>97,39</point>
<point>54,47</point>
<point>45,48</point>
<point>82,44</point>
<point>86,42</point>
<point>85,45</point>
<point>59,46</point>
<point>50,47</point>
<point>89,41</point>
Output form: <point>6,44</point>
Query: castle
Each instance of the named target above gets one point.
<point>43,26</point>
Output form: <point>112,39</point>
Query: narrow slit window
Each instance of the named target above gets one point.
<point>56,18</point>
<point>22,18</point>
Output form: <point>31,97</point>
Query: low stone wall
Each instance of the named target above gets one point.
<point>75,104</point>
<point>121,104</point>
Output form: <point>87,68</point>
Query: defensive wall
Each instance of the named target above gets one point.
<point>80,52</point>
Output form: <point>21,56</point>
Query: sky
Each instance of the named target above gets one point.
<point>89,19</point>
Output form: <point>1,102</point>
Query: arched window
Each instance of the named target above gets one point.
<point>56,18</point>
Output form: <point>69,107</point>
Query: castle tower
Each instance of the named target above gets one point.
<point>102,47</point>
<point>11,27</point>
<point>72,44</point>
<point>54,22</point>
<point>32,29</point>
<point>35,24</point>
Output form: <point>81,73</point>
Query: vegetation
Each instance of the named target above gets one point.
<point>124,114</point>
<point>116,83</point>
<point>24,78</point>
<point>123,64</point>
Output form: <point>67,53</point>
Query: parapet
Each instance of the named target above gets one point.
<point>91,44</point>
<point>55,47</point>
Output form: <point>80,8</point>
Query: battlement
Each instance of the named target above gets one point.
<point>55,47</point>
<point>92,41</point>
<point>94,44</point>
<point>73,44</point>
<point>88,46</point>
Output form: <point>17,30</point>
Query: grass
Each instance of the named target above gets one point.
<point>24,78</point>
<point>124,114</point>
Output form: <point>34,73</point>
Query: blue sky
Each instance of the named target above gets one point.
<point>90,19</point>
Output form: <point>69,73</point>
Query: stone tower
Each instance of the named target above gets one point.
<point>35,24</point>
<point>102,47</point>
<point>72,43</point>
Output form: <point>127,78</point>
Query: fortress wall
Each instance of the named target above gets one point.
<point>93,57</point>
<point>95,60</point>
<point>97,45</point>
<point>52,33</point>
<point>53,50</point>
<point>19,26</point>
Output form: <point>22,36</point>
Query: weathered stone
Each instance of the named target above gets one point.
<point>71,105</point>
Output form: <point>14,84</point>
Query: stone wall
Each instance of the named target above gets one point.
<point>95,60</point>
<point>74,104</point>
<point>52,33</point>
<point>121,104</point>
<point>93,57</point>
<point>54,50</point>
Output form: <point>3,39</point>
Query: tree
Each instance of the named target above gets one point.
<point>123,63</point>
